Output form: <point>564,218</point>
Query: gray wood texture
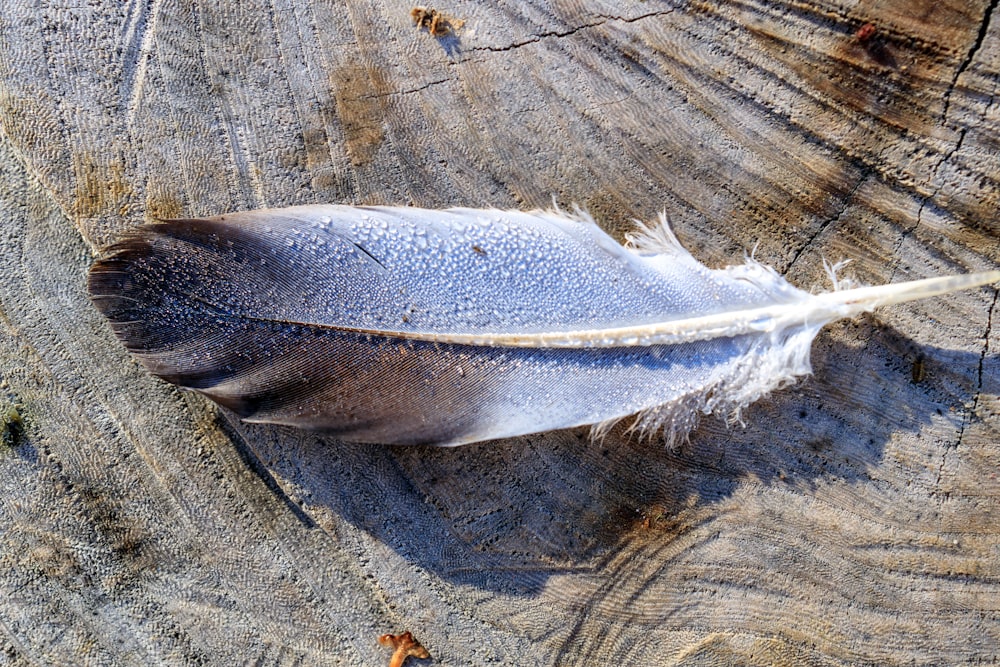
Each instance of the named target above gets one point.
<point>852,520</point>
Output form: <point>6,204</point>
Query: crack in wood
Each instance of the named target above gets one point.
<point>605,18</point>
<point>984,27</point>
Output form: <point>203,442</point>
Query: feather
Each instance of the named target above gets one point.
<point>407,326</point>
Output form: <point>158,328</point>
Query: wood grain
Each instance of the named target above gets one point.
<point>853,520</point>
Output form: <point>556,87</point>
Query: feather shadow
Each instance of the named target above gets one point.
<point>508,515</point>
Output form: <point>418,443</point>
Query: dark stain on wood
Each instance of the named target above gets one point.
<point>656,516</point>
<point>359,95</point>
<point>101,188</point>
<point>611,212</point>
<point>317,147</point>
<point>918,371</point>
<point>163,207</point>
<point>124,537</point>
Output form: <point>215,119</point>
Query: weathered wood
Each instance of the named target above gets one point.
<point>853,520</point>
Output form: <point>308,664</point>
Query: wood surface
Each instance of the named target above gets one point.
<point>852,520</point>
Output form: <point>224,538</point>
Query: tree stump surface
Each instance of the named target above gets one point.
<point>854,519</point>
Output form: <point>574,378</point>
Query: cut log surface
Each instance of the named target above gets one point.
<point>853,519</point>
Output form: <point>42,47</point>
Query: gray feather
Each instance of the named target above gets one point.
<point>404,325</point>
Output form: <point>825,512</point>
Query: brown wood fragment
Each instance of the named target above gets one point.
<point>437,23</point>
<point>405,646</point>
<point>865,33</point>
<point>867,36</point>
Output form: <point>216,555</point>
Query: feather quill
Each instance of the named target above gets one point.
<point>413,326</point>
